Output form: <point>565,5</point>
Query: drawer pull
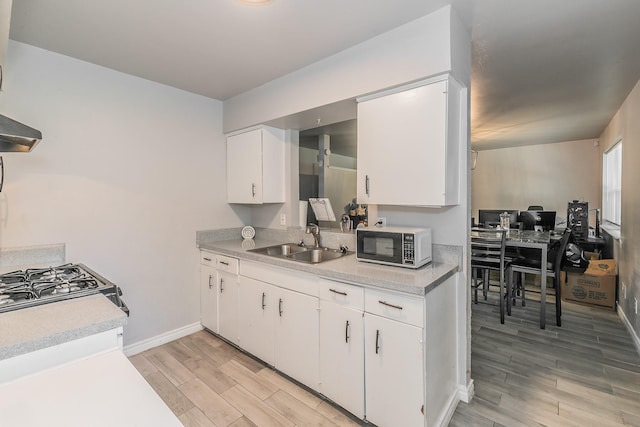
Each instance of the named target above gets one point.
<point>210,277</point>
<point>206,259</point>
<point>346,332</point>
<point>280,306</point>
<point>390,305</point>
<point>221,285</point>
<point>338,292</point>
<point>224,263</point>
<point>263,304</point>
<point>377,341</point>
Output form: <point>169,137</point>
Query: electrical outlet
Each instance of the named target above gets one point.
<point>283,219</point>
<point>381,221</point>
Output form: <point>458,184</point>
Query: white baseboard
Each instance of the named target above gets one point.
<point>450,410</point>
<point>634,335</point>
<point>465,394</point>
<point>140,346</point>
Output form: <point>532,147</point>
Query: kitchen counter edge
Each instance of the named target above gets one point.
<point>347,269</point>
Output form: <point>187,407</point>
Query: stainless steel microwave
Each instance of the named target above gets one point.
<point>400,246</point>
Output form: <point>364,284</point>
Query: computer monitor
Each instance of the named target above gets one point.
<point>538,220</point>
<point>491,217</point>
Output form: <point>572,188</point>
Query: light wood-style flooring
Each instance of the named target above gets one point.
<point>207,382</point>
<point>585,373</point>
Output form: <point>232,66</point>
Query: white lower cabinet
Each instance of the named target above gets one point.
<point>257,305</point>
<point>296,336</point>
<point>219,294</point>
<point>280,325</point>
<point>342,345</point>
<point>394,372</point>
<point>228,306</point>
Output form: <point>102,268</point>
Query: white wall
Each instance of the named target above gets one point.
<point>412,51</point>
<point>127,171</point>
<point>626,126</point>
<point>550,175</point>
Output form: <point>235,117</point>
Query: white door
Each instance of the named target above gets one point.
<point>209,298</point>
<point>257,305</point>
<point>228,306</point>
<point>408,130</point>
<point>394,373</point>
<point>342,356</point>
<point>244,167</point>
<point>296,336</point>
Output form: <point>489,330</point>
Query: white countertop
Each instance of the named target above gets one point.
<point>26,330</point>
<point>418,282</point>
<point>102,390</point>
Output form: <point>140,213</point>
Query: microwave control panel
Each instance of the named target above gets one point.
<point>408,249</point>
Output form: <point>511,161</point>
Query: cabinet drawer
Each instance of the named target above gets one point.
<point>208,259</point>
<point>342,294</point>
<point>399,307</point>
<point>228,264</point>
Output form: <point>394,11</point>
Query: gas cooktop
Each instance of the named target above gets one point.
<point>35,286</point>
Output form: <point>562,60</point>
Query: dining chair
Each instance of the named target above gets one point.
<point>532,265</point>
<point>487,255</point>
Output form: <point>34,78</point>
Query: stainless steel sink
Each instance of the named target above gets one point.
<point>280,250</point>
<point>317,255</point>
<point>309,255</point>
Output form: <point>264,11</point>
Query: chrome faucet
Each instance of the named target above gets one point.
<point>315,230</point>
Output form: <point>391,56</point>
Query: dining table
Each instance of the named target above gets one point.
<point>539,240</point>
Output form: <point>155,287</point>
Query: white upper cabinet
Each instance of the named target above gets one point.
<point>255,166</point>
<point>5,18</point>
<point>408,145</point>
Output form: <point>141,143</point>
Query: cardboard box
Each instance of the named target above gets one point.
<point>595,287</point>
<point>592,255</point>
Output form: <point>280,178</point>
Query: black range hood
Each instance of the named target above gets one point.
<point>16,137</point>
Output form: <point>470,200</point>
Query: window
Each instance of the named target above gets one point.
<point>612,184</point>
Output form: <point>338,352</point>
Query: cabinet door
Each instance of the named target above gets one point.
<point>5,17</point>
<point>228,306</point>
<point>394,372</point>
<point>244,167</point>
<point>342,356</point>
<point>296,336</point>
<point>257,305</point>
<point>408,130</point>
<point>209,298</point>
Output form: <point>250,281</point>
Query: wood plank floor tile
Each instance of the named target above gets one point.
<point>569,414</point>
<point>243,422</point>
<point>170,367</point>
<point>293,389</point>
<point>195,418</point>
<point>297,412</point>
<point>217,409</point>
<point>169,393</point>
<point>254,408</point>
<point>210,374</point>
<point>142,364</point>
<point>248,379</point>
<point>337,416</point>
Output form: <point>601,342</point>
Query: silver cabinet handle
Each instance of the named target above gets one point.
<point>263,304</point>
<point>280,306</point>
<point>346,332</point>
<point>390,305</point>
<point>338,292</point>
<point>206,259</point>
<point>253,190</point>
<point>377,341</point>
<point>221,285</point>
<point>210,278</point>
<point>224,263</point>
<point>366,184</point>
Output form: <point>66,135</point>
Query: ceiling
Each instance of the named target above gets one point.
<point>543,71</point>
